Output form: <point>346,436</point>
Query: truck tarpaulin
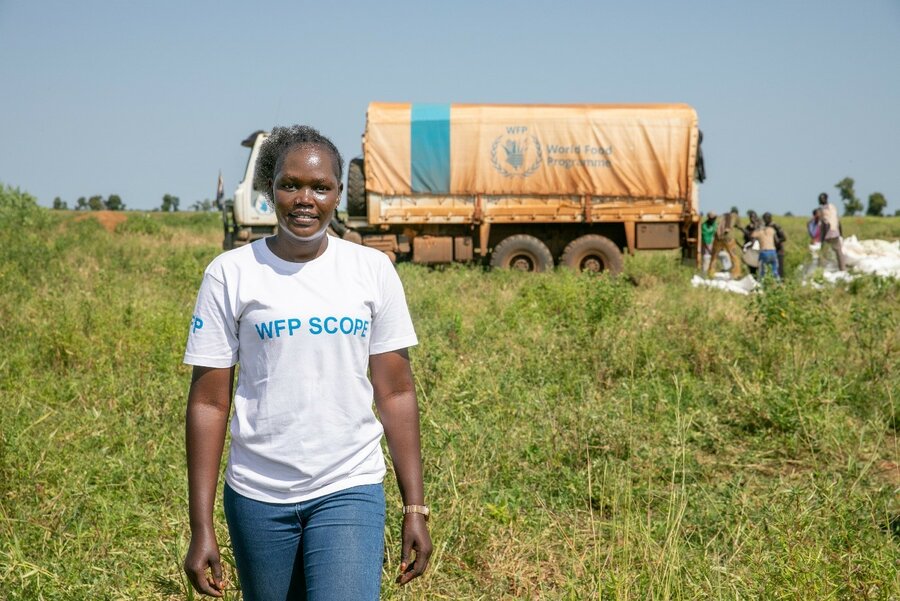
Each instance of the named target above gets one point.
<point>618,151</point>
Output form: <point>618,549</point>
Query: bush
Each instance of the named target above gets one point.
<point>18,208</point>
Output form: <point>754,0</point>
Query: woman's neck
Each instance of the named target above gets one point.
<point>296,250</point>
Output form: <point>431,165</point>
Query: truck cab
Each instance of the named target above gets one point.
<point>251,215</point>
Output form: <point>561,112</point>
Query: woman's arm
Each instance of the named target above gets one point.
<point>206,417</point>
<point>395,399</point>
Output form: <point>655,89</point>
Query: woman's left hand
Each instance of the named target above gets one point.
<point>395,398</point>
<point>415,537</point>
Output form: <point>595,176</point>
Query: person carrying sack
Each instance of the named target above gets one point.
<point>724,240</point>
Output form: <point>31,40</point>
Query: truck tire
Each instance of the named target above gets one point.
<point>522,252</point>
<point>593,253</point>
<point>356,188</point>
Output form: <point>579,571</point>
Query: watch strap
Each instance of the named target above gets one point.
<point>421,509</point>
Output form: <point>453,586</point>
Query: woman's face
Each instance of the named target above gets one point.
<point>305,190</point>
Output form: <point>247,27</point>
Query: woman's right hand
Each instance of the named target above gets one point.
<point>205,419</point>
<point>203,565</point>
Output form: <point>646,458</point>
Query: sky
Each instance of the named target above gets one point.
<point>143,99</point>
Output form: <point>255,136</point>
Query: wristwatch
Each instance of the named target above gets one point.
<point>423,509</point>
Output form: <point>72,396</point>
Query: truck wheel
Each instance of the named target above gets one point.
<point>522,252</point>
<point>593,253</point>
<point>356,188</point>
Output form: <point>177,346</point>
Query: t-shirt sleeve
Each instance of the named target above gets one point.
<point>212,339</point>
<point>392,326</point>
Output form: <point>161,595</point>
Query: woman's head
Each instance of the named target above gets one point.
<point>279,143</point>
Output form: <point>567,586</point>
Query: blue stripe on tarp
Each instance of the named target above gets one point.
<point>429,154</point>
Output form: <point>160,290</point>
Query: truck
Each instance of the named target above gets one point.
<point>525,187</point>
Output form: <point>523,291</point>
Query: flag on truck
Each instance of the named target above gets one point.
<point>220,190</point>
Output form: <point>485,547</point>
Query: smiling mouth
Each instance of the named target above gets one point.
<point>302,218</point>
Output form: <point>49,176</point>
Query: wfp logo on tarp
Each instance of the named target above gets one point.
<point>516,153</point>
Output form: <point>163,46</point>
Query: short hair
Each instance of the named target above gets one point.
<point>823,198</point>
<point>767,215</point>
<point>283,139</point>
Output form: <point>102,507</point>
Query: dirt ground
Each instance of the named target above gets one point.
<point>108,219</point>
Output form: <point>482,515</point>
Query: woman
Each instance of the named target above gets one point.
<point>305,315</point>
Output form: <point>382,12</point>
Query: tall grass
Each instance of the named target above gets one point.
<point>584,437</point>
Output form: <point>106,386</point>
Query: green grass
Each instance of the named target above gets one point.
<point>584,437</point>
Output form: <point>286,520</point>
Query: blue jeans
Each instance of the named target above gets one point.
<point>770,258</point>
<point>328,548</point>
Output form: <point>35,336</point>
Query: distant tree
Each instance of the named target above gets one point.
<point>81,204</point>
<point>59,204</point>
<point>897,213</point>
<point>877,204</point>
<point>735,210</point>
<point>852,205</point>
<point>95,203</point>
<point>203,205</point>
<point>788,214</point>
<point>114,203</point>
<point>169,203</point>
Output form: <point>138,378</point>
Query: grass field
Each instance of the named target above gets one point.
<point>584,437</point>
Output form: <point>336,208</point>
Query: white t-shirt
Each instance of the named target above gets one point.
<point>303,424</point>
<point>830,216</point>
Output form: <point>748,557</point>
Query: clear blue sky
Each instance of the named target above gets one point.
<point>146,98</point>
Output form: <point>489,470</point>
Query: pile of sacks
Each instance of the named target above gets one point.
<point>722,280</point>
<point>877,257</point>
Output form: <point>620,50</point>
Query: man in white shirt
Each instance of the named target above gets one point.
<point>831,228</point>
